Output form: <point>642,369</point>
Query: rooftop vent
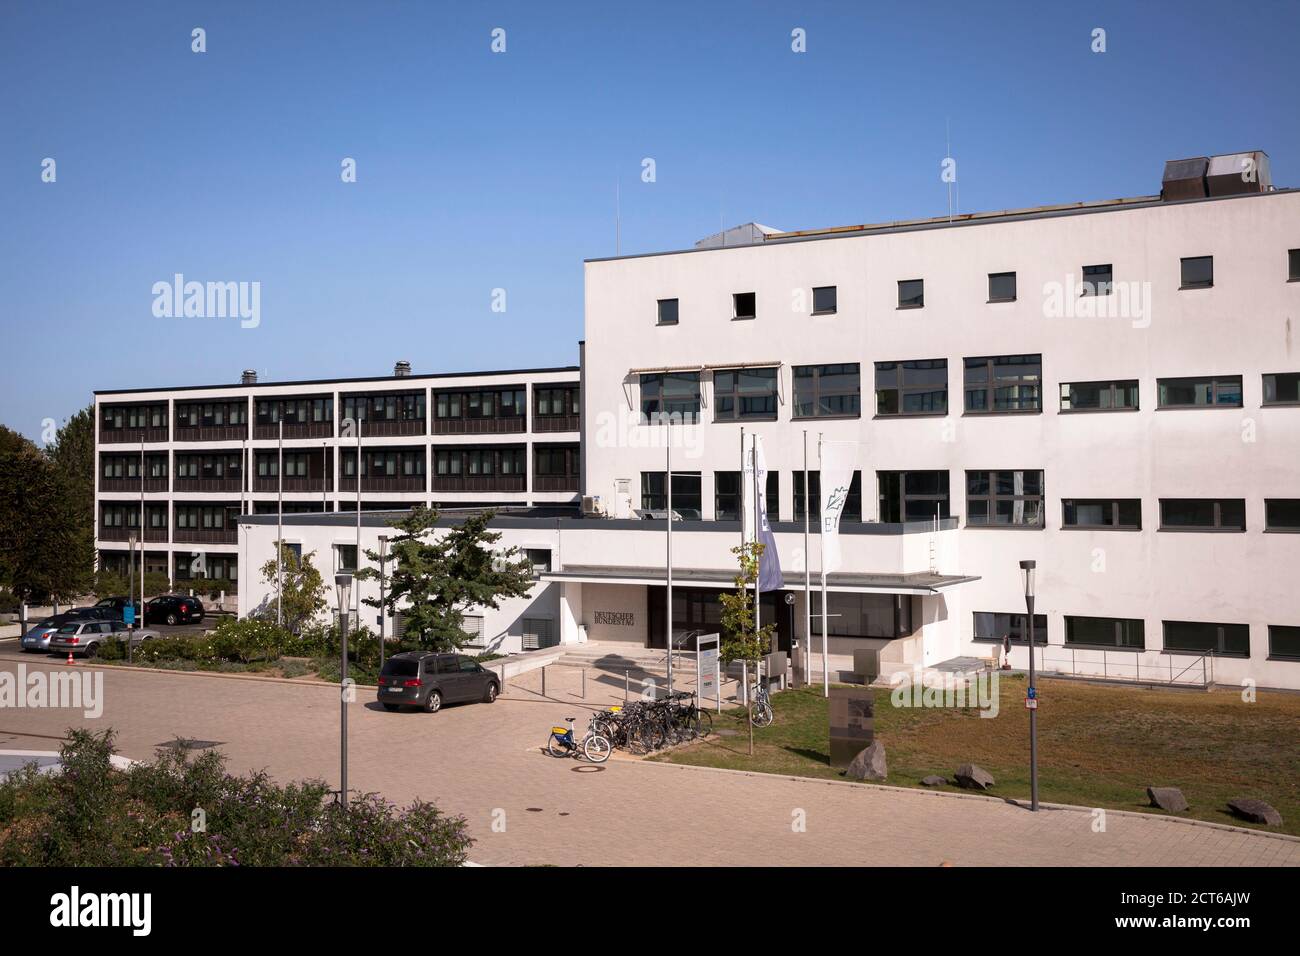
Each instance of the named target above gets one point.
<point>749,234</point>
<point>249,377</point>
<point>402,369</point>
<point>1184,179</point>
<point>1228,174</point>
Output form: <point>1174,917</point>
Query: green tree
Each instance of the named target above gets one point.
<point>304,589</point>
<point>740,640</point>
<point>73,454</point>
<point>436,577</point>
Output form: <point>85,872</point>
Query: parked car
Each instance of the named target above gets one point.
<point>37,637</point>
<point>173,609</point>
<point>84,637</point>
<point>424,680</point>
<point>117,605</point>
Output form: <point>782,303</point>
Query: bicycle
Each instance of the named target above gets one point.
<point>562,743</point>
<point>760,706</point>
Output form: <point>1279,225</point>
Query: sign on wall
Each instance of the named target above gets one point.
<point>616,618</point>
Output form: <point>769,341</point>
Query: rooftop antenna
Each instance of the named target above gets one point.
<point>618,217</point>
<point>947,134</point>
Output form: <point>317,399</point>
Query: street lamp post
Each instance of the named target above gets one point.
<point>130,588</point>
<point>383,629</point>
<point>343,585</point>
<point>1027,567</point>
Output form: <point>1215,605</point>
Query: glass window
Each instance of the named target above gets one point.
<point>1203,391</point>
<point>1096,280</point>
<point>917,387</point>
<point>1004,498</point>
<point>1004,383</point>
<point>1198,272</point>
<point>667,312</point>
<point>824,300</point>
<point>1284,642</point>
<point>745,305</point>
<point>1282,514</point>
<point>1225,640</point>
<point>1128,634</point>
<point>862,615</point>
<point>747,393</point>
<point>993,628</point>
<point>727,498</point>
<point>828,391</point>
<point>1099,396</point>
<point>1002,287</point>
<point>912,495</point>
<point>671,396</point>
<point>347,556</point>
<point>1202,514</point>
<point>539,558</point>
<point>1282,388</point>
<point>911,293</point>
<point>1116,514</point>
<point>686,493</point>
<point>1293,265</point>
<point>852,502</point>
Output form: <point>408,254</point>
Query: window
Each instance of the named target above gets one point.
<point>554,402</point>
<point>1282,388</point>
<point>828,391</point>
<point>346,557</point>
<point>1283,643</point>
<point>994,628</point>
<point>744,394</point>
<point>1203,391</point>
<point>1099,396</point>
<point>1004,498</point>
<point>686,493</point>
<point>1002,287</point>
<point>824,300</point>
<point>536,633</point>
<point>1198,272</point>
<point>1004,383</point>
<point>852,502</point>
<point>670,396</point>
<point>472,625</point>
<point>1202,514</point>
<point>1096,280</point>
<point>911,293</point>
<point>1225,640</point>
<point>863,615</point>
<point>1119,514</point>
<point>1293,265</point>
<point>912,495</point>
<point>667,311</point>
<point>1282,514</point>
<point>744,305</point>
<point>918,387</point>
<point>1106,633</point>
<point>539,558</point>
<point>727,497</point>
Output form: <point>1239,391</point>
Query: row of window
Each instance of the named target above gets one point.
<point>1129,634</point>
<point>994,384</point>
<point>1195,272</point>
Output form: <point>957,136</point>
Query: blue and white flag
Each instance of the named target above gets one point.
<point>837,459</point>
<point>754,515</point>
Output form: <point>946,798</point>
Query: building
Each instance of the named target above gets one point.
<point>1109,388</point>
<point>194,459</point>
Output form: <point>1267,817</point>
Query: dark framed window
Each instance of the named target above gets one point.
<point>825,300</point>
<point>1283,642</point>
<point>1202,514</point>
<point>1004,383</point>
<point>1282,514</point>
<point>1199,391</point>
<point>916,387</point>
<point>911,293</point>
<point>1293,265</point>
<point>852,502</point>
<point>1282,388</point>
<point>992,627</point>
<point>1221,640</point>
<point>828,391</point>
<point>913,495</point>
<point>1096,280</point>
<point>295,411</point>
<point>671,396</point>
<point>211,414</point>
<point>385,407</point>
<point>1197,272</point>
<point>744,305</point>
<point>539,558</point>
<point>686,493</point>
<point>556,461</point>
<point>727,498</point>
<point>1114,396</point>
<point>1004,499</point>
<point>1106,633</point>
<point>667,313</point>
<point>1114,514</point>
<point>744,394</point>
<point>347,557</point>
<point>887,616</point>
<point>1002,287</point>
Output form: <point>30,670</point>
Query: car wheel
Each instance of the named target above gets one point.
<point>171,618</point>
<point>92,650</point>
<point>391,707</point>
<point>433,703</point>
<point>490,694</point>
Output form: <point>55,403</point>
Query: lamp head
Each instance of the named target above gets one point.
<point>1027,572</point>
<point>343,584</point>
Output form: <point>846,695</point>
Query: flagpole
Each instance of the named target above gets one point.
<point>279,523</point>
<point>668,488</point>
<point>807,566</point>
<point>758,667</point>
<point>821,538</point>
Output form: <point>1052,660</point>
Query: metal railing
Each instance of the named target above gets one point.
<point>1176,669</point>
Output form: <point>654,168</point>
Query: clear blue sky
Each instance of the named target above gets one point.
<point>479,170</point>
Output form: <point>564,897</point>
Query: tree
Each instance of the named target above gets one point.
<point>438,574</point>
<point>73,456</point>
<point>740,641</point>
<point>303,596</point>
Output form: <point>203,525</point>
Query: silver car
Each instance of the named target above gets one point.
<point>37,637</point>
<point>84,637</point>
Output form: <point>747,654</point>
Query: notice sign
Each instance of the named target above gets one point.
<point>706,666</point>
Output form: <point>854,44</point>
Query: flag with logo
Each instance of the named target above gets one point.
<point>754,516</point>
<point>837,460</point>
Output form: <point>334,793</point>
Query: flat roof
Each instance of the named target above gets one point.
<point>956,221</point>
<point>339,381</point>
<point>864,583</point>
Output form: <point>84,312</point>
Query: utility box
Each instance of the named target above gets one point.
<point>852,723</point>
<point>866,663</point>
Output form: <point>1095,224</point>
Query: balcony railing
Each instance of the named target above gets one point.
<point>414,426</point>
<point>211,432</point>
<point>478,426</point>
<point>206,536</point>
<point>479,483</point>
<point>555,423</point>
<point>132,484</point>
<point>295,430</point>
<point>400,483</point>
<point>108,436</point>
<point>208,484</point>
<point>124,534</point>
<point>555,482</point>
<point>294,484</point>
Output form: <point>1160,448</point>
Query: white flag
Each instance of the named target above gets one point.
<point>837,460</point>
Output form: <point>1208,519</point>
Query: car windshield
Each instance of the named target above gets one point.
<point>69,628</point>
<point>400,667</point>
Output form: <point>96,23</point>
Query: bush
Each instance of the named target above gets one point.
<point>95,815</point>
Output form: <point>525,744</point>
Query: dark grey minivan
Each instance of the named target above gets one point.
<point>424,680</point>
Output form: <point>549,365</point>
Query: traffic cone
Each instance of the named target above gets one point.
<point>70,660</point>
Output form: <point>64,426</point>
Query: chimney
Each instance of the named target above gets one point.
<point>249,377</point>
<point>402,369</point>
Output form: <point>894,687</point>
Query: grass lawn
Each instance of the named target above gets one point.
<point>1098,745</point>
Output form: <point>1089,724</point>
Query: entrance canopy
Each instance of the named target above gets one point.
<point>853,582</point>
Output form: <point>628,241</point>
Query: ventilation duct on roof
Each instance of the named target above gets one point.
<point>1184,179</point>
<point>249,377</point>
<point>1235,173</point>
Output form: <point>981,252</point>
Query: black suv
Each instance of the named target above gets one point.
<point>424,680</point>
<point>116,605</point>
<point>173,609</point>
